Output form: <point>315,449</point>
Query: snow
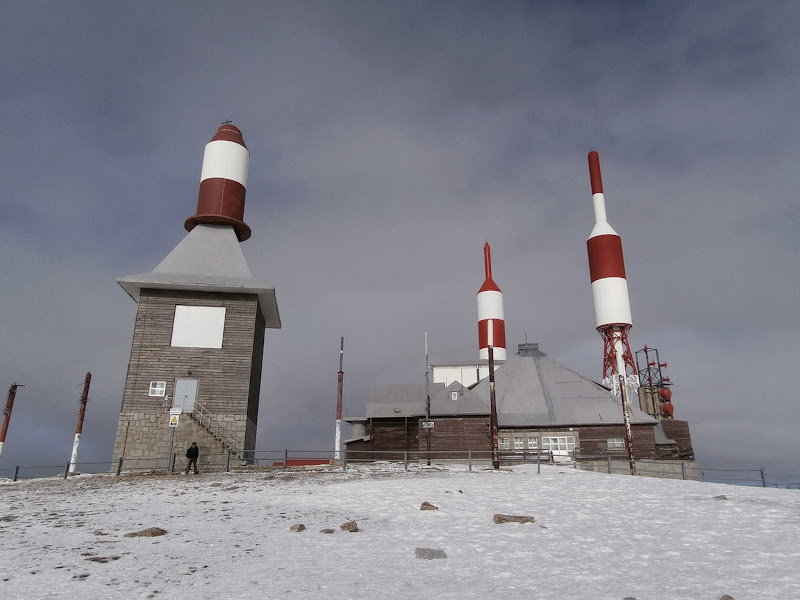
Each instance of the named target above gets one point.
<point>595,536</point>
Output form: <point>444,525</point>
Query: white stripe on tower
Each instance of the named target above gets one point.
<point>491,318</point>
<point>223,182</point>
<point>606,263</point>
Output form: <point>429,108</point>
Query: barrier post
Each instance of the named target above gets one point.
<point>16,472</point>
<point>683,470</point>
<point>344,459</point>
<point>469,459</point>
<point>119,466</point>
<point>609,464</point>
<point>285,458</point>
<point>228,462</point>
<point>66,471</point>
<point>405,460</point>
<point>763,478</point>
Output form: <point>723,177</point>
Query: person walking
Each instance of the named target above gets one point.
<point>191,454</point>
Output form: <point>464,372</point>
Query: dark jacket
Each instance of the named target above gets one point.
<point>192,452</point>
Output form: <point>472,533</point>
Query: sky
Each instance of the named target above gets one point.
<point>593,535</point>
<point>388,142</point>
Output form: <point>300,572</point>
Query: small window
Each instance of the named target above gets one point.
<point>519,443</point>
<point>505,443</point>
<point>158,388</point>
<point>453,396</point>
<point>615,442</point>
<point>533,443</point>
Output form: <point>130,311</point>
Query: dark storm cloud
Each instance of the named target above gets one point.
<point>389,141</point>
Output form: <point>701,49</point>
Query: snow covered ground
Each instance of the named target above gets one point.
<point>595,536</point>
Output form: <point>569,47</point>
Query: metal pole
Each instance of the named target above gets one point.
<point>285,458</point>
<point>172,446</point>
<point>469,459</point>
<point>427,405</point>
<point>344,459</point>
<point>763,478</point>
<point>405,460</point>
<point>66,470</point>
<point>338,437</point>
<point>12,393</point>
<point>493,415</point>
<point>16,473</point>
<point>683,470</point>
<point>84,400</point>
<point>228,462</point>
<point>626,415</point>
<point>538,461</point>
<point>609,464</point>
<point>119,466</point>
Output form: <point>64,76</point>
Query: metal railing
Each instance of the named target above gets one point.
<point>217,428</point>
<point>297,460</point>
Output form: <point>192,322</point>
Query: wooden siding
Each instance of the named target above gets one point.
<point>679,431</point>
<point>228,378</point>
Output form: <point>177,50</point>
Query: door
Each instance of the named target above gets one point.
<point>185,394</point>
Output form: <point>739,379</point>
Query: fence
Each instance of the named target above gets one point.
<point>471,459</point>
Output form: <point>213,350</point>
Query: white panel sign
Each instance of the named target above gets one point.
<point>173,420</point>
<point>198,326</point>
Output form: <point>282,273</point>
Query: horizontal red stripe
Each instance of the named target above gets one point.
<point>489,286</point>
<point>221,197</point>
<point>605,257</point>
<point>499,331</point>
<point>229,133</point>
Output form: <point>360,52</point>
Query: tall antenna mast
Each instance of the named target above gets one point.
<point>338,437</point>
<point>79,429</point>
<point>427,424</point>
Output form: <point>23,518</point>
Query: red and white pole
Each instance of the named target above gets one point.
<point>223,182</point>
<point>612,307</point>
<point>491,318</point>
<point>79,429</point>
<point>338,436</point>
<point>12,394</point>
<point>609,287</point>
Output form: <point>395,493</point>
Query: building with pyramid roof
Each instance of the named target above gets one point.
<point>195,366</point>
<point>543,408</point>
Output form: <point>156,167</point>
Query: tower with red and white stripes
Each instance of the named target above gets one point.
<point>198,339</point>
<point>609,290</point>
<point>223,183</point>
<point>491,319</point>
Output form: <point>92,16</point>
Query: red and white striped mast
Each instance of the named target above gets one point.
<point>612,307</point>
<point>340,382</point>
<point>73,460</point>
<point>491,318</point>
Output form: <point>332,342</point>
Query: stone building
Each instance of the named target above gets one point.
<point>196,357</point>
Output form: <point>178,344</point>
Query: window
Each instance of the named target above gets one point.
<point>533,443</point>
<point>158,388</point>
<point>198,326</point>
<point>505,443</point>
<point>559,445</point>
<point>615,442</point>
<point>519,443</point>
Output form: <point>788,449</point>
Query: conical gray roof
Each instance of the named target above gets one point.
<point>208,259</point>
<point>534,390</point>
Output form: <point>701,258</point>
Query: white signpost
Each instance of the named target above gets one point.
<point>427,424</point>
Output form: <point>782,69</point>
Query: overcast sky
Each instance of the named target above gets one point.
<point>389,141</point>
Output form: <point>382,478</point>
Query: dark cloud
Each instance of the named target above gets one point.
<point>388,142</point>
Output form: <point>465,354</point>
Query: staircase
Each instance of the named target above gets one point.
<point>215,428</point>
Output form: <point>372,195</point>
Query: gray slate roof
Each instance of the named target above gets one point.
<point>208,259</point>
<point>531,390</point>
